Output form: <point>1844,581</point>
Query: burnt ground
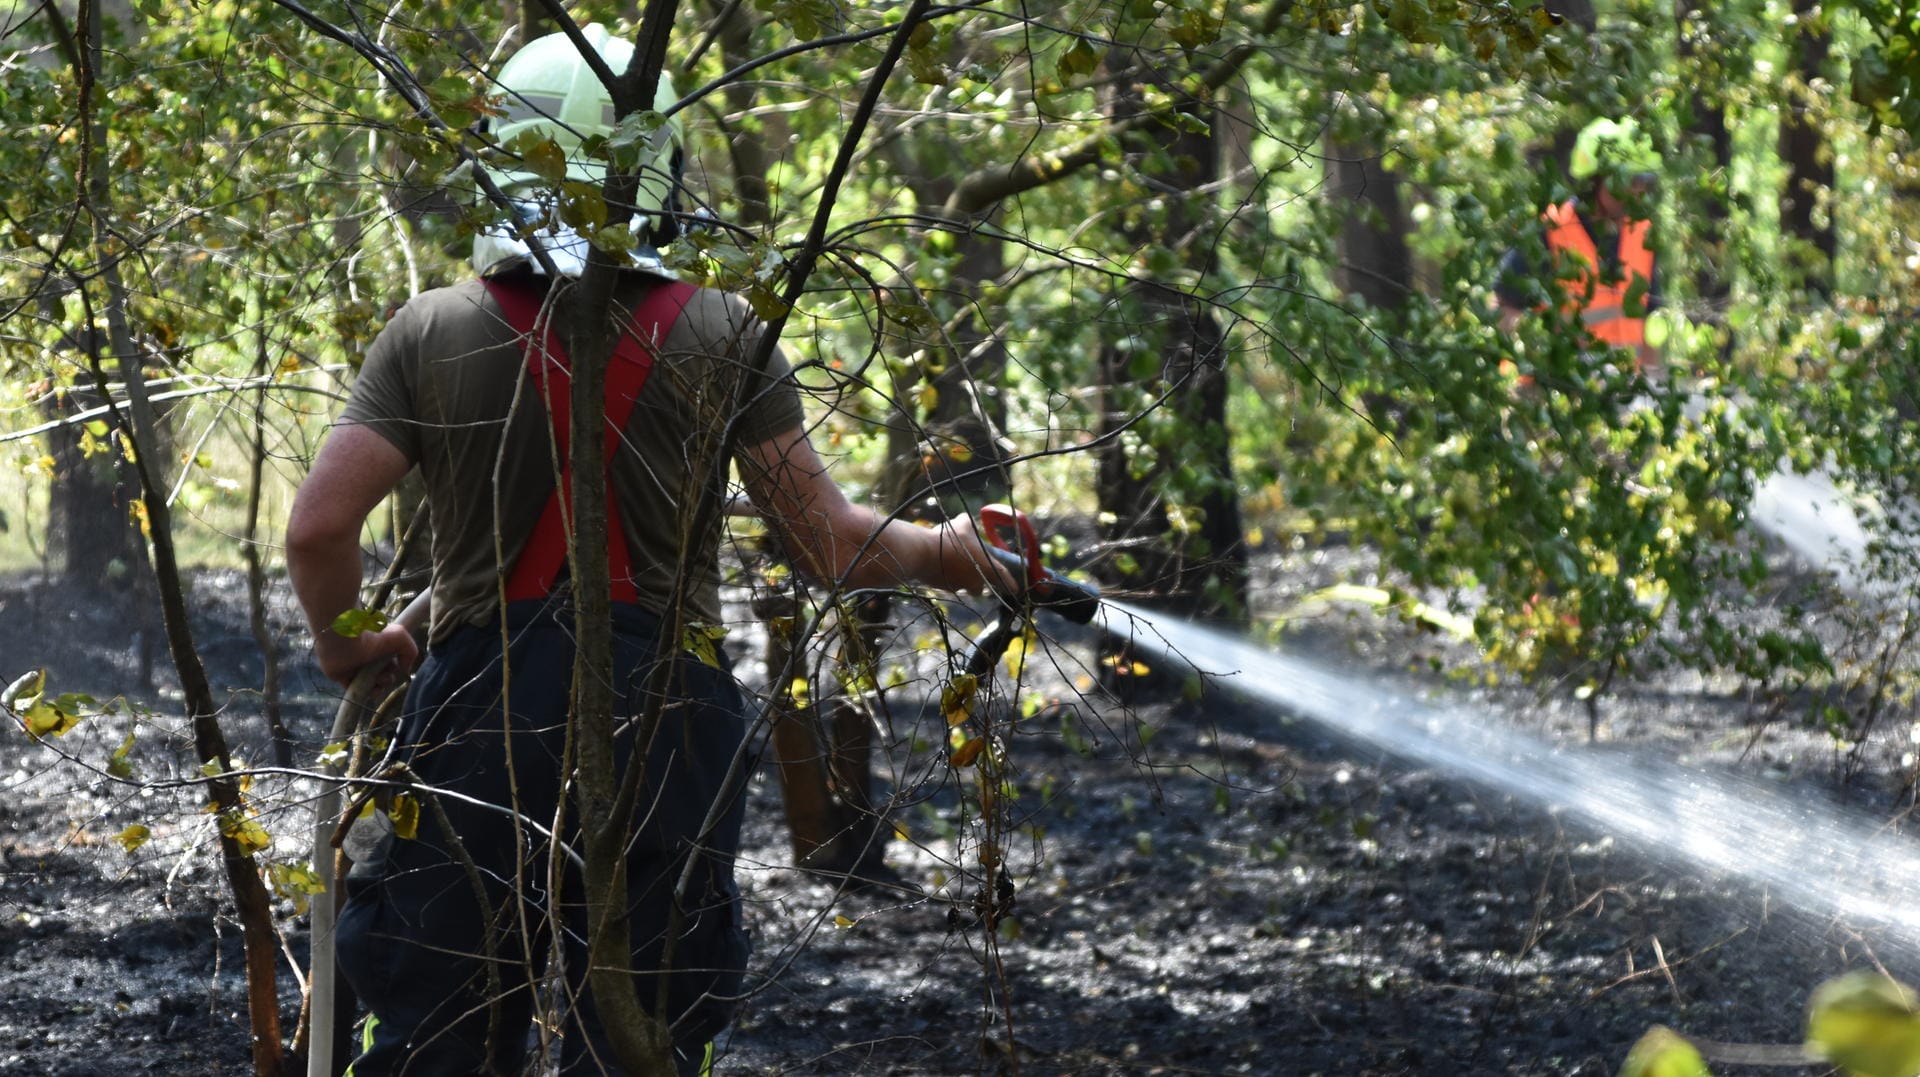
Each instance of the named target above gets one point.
<point>1201,887</point>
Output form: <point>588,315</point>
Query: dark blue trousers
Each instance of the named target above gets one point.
<point>417,942</point>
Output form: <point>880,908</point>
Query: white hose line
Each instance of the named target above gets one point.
<point>322,968</point>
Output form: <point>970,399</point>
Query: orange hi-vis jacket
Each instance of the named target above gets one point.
<point>1601,303</point>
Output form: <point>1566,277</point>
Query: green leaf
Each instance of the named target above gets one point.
<point>119,764</point>
<point>1867,1024</point>
<point>1634,305</point>
<point>632,142</point>
<point>1663,1052</point>
<point>541,156</point>
<point>582,206</point>
<point>134,836</point>
<point>766,302</point>
<point>355,622</point>
<point>1081,59</point>
<point>925,67</point>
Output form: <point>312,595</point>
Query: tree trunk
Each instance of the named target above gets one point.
<point>746,134</point>
<point>952,458</point>
<point>263,637</point>
<point>141,425</point>
<point>1182,544</point>
<point>90,523</point>
<point>1707,122</point>
<point>945,452</point>
<point>1812,242</point>
<point>1372,244</point>
<point>1171,505</point>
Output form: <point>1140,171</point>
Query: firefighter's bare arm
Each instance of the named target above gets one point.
<point>838,540</point>
<point>356,468</point>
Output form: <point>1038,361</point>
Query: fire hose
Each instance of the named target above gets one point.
<point>1043,588</point>
<point>323,971</point>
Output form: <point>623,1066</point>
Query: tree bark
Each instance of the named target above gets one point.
<point>1177,513</point>
<point>140,423</point>
<point>747,144</point>
<point>1707,122</point>
<point>605,802</point>
<point>250,544</point>
<point>1374,263</point>
<point>1809,160</point>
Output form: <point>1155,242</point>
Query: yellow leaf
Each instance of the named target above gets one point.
<point>956,698</point>
<point>134,837</point>
<point>1866,1024</point>
<point>801,691</point>
<point>927,397</point>
<point>842,921</point>
<point>964,755</point>
<point>701,639</point>
<point>1016,656</point>
<point>290,365</point>
<point>296,882</point>
<point>406,816</point>
<point>959,452</point>
<point>42,719</point>
<point>245,831</point>
<point>1664,1053</point>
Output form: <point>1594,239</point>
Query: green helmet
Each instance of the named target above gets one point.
<point>1612,144</point>
<point>548,91</point>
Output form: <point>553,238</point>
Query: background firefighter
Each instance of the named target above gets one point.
<point>1599,245</point>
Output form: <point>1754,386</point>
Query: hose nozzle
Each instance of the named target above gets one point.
<point>1045,589</point>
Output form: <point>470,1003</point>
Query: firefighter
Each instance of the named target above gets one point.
<point>1598,245</point>
<point>459,385</point>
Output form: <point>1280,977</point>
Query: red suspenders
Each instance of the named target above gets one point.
<point>545,555</point>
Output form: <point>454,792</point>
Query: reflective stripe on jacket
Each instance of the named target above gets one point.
<point>1601,303</point>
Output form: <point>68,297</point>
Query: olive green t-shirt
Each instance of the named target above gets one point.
<point>445,382</point>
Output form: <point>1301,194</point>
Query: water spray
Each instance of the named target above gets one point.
<point>1816,857</point>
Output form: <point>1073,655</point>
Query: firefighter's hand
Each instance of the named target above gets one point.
<point>387,655</point>
<point>967,566</point>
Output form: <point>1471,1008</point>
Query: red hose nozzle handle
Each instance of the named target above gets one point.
<point>1077,602</point>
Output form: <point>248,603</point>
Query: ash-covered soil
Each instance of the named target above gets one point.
<point>1199,887</point>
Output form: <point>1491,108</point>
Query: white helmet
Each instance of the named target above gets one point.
<point>548,91</point>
